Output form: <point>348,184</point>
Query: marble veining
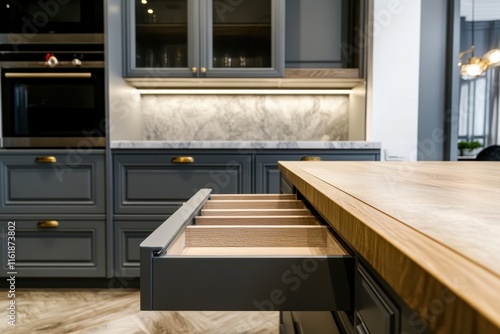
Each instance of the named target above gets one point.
<point>213,144</point>
<point>245,117</point>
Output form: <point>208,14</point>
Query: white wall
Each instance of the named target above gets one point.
<point>393,78</point>
<point>124,101</point>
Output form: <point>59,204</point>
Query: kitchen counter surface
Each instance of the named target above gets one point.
<point>430,229</point>
<point>147,144</point>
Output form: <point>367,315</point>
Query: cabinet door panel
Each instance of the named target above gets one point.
<point>128,237</point>
<point>73,248</point>
<point>153,184</point>
<point>64,186</point>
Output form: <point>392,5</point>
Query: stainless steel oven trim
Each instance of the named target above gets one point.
<point>29,75</point>
<point>12,38</point>
<point>26,142</point>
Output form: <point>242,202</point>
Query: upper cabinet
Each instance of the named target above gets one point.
<point>204,38</point>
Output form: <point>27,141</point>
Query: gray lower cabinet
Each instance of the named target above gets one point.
<point>267,175</point>
<point>158,183</point>
<point>129,233</point>
<point>53,246</point>
<point>375,311</point>
<point>54,182</point>
<point>56,200</point>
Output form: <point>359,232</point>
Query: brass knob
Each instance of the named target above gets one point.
<point>194,69</point>
<point>46,160</point>
<point>182,160</point>
<point>311,159</point>
<point>48,224</point>
<point>203,70</point>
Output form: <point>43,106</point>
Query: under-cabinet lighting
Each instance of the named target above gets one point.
<point>244,91</point>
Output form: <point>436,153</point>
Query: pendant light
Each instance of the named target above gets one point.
<point>477,66</point>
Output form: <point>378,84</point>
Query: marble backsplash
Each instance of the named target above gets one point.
<point>245,117</point>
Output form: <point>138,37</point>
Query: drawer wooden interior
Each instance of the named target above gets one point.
<point>284,233</point>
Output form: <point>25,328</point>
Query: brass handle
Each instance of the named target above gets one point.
<point>182,160</point>
<point>311,159</point>
<point>48,224</point>
<point>194,69</point>
<point>46,160</point>
<point>203,70</point>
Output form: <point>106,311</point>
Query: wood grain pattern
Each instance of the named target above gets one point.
<point>322,73</point>
<point>430,229</point>
<point>255,212</point>
<point>257,236</point>
<point>254,204</point>
<point>256,220</point>
<point>256,251</point>
<point>117,311</point>
<point>252,197</point>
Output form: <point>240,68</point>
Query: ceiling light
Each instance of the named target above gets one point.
<point>477,66</point>
<point>144,2</point>
<point>150,11</point>
<point>492,58</point>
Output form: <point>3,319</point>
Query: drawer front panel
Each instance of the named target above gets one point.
<point>152,184</point>
<point>267,175</point>
<point>376,312</point>
<point>52,187</point>
<point>128,237</point>
<point>75,248</point>
<point>253,284</point>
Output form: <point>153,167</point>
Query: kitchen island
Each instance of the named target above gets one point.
<point>429,231</point>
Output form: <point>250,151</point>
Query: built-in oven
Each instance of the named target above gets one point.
<point>53,99</point>
<point>51,21</point>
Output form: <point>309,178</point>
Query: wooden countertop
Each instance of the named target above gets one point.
<point>430,229</point>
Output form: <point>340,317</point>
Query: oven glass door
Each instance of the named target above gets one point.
<point>55,16</point>
<point>60,103</point>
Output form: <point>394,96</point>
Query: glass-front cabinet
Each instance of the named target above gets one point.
<point>205,38</point>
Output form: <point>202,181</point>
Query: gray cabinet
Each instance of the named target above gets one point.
<point>158,183</point>
<point>57,200</point>
<point>375,311</point>
<point>55,246</point>
<point>204,38</point>
<point>52,182</point>
<point>150,185</point>
<point>324,34</point>
<point>267,175</point>
<point>128,235</point>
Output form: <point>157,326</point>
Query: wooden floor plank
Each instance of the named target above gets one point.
<point>62,311</point>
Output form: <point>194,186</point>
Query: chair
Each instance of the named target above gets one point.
<point>490,153</point>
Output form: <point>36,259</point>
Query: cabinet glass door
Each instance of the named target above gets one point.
<point>161,34</point>
<point>162,37</point>
<point>243,38</point>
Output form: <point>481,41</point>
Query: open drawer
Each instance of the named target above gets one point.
<point>245,253</point>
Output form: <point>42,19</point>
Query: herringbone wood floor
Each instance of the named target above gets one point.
<point>56,311</point>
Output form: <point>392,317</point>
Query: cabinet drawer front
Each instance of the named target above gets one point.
<point>54,187</point>
<point>69,248</point>
<point>279,265</point>
<point>153,184</point>
<point>128,237</point>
